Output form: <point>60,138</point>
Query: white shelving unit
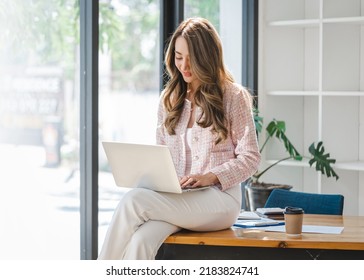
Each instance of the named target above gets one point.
<point>311,75</point>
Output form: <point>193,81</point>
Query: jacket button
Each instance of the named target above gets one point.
<point>195,139</point>
<point>195,157</point>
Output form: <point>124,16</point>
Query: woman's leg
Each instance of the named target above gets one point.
<point>154,232</point>
<point>203,210</point>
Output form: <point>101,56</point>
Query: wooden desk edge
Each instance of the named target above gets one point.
<point>229,237</point>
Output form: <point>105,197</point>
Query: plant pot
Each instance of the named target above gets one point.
<point>256,194</point>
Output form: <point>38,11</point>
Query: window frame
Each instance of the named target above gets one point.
<point>89,161</point>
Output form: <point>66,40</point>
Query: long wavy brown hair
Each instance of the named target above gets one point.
<point>207,64</point>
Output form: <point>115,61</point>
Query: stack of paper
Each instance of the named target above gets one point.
<point>274,213</point>
<point>249,219</point>
<point>264,222</point>
<point>270,211</point>
<point>248,215</point>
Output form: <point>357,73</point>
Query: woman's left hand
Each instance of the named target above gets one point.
<point>199,180</point>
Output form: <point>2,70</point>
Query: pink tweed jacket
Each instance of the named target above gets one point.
<point>233,160</point>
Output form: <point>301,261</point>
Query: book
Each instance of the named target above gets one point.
<point>248,215</point>
<point>273,216</point>
<point>262,222</point>
<point>270,211</point>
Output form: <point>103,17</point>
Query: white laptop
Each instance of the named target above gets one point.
<point>143,166</point>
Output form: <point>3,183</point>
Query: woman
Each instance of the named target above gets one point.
<point>206,121</point>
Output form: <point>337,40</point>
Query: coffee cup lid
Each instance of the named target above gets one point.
<point>293,210</point>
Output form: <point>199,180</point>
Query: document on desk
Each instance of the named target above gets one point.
<point>261,222</point>
<point>248,215</point>
<point>308,229</point>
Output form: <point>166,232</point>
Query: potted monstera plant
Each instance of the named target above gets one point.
<point>256,191</point>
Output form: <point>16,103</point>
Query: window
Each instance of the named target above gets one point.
<point>39,127</point>
<point>226,16</point>
<point>128,86</point>
<point>40,109</point>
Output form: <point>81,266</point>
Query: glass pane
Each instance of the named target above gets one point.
<point>209,9</point>
<point>226,16</point>
<point>129,86</point>
<point>39,127</point>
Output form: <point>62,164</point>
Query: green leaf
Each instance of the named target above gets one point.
<point>278,129</point>
<point>321,160</point>
<point>258,120</point>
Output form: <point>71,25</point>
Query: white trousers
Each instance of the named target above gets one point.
<point>144,219</point>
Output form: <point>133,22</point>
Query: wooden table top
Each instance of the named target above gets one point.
<point>352,237</point>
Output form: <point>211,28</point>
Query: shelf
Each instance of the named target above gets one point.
<point>312,77</point>
<point>351,20</point>
<point>315,93</point>
<point>316,22</point>
<point>352,165</point>
<point>293,93</point>
<point>342,93</point>
<point>296,23</point>
<point>290,162</point>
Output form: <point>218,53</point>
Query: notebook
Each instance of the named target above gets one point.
<point>143,166</point>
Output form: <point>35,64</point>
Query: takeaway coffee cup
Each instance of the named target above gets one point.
<point>293,217</point>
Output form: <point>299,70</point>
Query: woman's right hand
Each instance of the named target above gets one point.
<point>198,180</point>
